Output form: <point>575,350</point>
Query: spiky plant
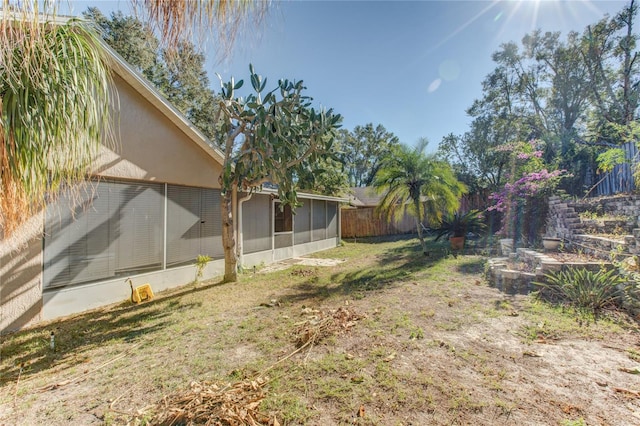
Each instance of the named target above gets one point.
<point>583,289</point>
<point>55,104</point>
<point>177,20</point>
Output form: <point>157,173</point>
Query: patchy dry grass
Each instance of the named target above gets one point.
<point>433,344</point>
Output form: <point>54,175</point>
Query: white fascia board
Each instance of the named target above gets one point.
<point>306,195</point>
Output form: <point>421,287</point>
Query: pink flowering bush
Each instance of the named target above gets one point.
<point>523,199</point>
<point>530,185</point>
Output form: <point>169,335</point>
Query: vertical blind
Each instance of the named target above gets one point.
<point>256,224</point>
<point>302,223</point>
<point>111,229</point>
<point>193,224</point>
<point>319,220</point>
<point>332,219</point>
<point>105,230</point>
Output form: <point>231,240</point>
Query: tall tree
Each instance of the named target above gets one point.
<point>364,150</point>
<point>325,175</point>
<point>180,76</point>
<point>609,52</point>
<point>418,184</point>
<point>498,117</point>
<point>268,137</point>
<point>187,87</point>
<point>128,36</point>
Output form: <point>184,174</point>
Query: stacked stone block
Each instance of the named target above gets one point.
<point>564,222</point>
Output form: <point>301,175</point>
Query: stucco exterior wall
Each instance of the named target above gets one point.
<point>150,147</point>
<point>21,277</point>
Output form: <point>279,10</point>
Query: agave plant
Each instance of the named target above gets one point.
<point>459,225</point>
<point>582,288</point>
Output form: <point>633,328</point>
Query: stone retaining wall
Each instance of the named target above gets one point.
<point>564,222</point>
<point>521,281</point>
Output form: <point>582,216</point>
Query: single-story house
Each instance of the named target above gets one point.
<point>151,207</point>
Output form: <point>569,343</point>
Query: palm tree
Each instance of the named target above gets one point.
<point>418,184</point>
<point>176,20</point>
<point>55,103</point>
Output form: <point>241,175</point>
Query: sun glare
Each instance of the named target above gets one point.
<point>553,15</point>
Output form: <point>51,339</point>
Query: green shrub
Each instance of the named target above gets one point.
<point>582,288</point>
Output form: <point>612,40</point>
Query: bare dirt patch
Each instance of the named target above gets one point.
<point>414,340</point>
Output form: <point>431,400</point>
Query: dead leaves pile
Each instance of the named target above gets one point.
<point>322,324</point>
<point>238,404</point>
<point>207,403</point>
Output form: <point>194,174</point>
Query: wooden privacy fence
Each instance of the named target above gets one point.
<point>366,222</point>
<point>621,178</point>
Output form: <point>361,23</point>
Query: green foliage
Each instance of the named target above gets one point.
<point>364,150</point>
<point>458,225</point>
<point>579,422</point>
<point>611,158</point>
<point>179,75</point>
<point>55,104</point>
<point>418,184</point>
<point>327,175</point>
<point>591,291</point>
<point>201,263</point>
<point>269,135</point>
<point>574,93</point>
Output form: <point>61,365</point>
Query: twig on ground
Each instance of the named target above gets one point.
<point>15,393</point>
<point>85,374</point>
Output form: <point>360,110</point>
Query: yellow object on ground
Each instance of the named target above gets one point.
<point>142,293</point>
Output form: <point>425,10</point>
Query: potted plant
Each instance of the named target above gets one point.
<point>457,226</point>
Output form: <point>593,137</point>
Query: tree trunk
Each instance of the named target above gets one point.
<point>419,228</point>
<point>229,238</point>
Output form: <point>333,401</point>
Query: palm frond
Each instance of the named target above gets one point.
<point>55,107</point>
<point>408,176</point>
<point>181,20</point>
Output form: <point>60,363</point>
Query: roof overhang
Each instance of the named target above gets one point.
<point>306,195</point>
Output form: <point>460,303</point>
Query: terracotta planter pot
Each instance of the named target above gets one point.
<point>457,243</point>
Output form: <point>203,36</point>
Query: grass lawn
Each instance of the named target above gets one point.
<point>430,343</point>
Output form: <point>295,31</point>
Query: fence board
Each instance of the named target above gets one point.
<point>621,178</point>
<point>366,222</point>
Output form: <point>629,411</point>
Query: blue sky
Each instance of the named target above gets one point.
<point>412,66</point>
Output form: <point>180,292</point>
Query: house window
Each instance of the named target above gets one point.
<point>283,219</point>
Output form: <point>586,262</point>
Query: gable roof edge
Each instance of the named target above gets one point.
<point>151,94</point>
